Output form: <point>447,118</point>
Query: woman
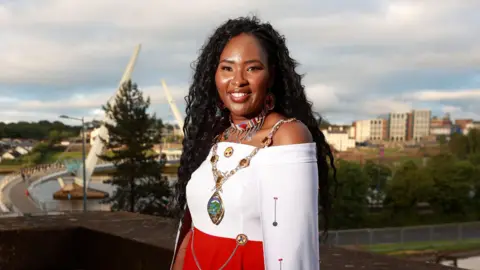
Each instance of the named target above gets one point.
<point>253,158</point>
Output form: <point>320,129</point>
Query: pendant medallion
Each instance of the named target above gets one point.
<point>228,152</point>
<point>215,208</point>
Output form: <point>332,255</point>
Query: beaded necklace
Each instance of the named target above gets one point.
<point>244,131</point>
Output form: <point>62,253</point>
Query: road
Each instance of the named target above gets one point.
<point>16,193</point>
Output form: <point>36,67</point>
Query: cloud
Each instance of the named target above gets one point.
<point>360,58</point>
<point>437,95</point>
<point>459,112</point>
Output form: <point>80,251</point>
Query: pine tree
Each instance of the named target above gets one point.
<point>132,133</point>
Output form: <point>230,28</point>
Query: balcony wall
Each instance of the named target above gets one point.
<point>117,241</point>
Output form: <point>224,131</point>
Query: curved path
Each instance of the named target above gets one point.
<point>16,191</point>
<point>18,198</point>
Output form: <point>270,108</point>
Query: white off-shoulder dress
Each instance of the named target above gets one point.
<point>271,211</point>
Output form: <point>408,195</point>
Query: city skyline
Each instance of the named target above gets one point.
<point>360,60</point>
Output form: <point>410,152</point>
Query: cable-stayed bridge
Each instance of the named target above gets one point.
<point>98,145</point>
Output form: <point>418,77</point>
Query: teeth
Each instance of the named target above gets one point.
<point>239,94</point>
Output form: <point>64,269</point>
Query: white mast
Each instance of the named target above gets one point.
<point>97,147</point>
<point>173,106</point>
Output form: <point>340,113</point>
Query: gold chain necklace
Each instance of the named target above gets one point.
<point>215,207</point>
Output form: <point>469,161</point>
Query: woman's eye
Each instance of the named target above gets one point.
<point>254,68</point>
<point>226,68</point>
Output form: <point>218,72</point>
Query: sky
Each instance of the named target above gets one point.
<point>360,58</point>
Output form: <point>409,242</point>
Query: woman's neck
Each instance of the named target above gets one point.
<point>238,119</point>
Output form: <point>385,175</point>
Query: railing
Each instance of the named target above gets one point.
<point>73,206</point>
<point>5,181</point>
<point>442,232</point>
<point>31,174</point>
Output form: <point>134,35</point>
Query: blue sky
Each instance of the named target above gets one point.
<point>361,58</point>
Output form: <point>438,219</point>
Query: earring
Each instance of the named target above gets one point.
<point>269,102</point>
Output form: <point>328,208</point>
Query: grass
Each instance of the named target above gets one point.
<point>50,157</point>
<point>65,155</point>
<point>401,249</point>
<point>9,168</point>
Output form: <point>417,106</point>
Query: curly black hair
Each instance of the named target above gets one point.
<point>202,125</point>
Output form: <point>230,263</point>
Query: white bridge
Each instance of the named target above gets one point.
<point>102,132</point>
<point>97,147</point>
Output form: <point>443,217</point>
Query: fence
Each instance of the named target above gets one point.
<point>30,174</point>
<point>401,235</point>
<point>73,206</point>
<point>4,182</point>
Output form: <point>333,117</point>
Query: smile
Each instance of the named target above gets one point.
<point>238,97</point>
<point>238,94</point>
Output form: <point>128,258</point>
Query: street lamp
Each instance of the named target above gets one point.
<point>83,159</point>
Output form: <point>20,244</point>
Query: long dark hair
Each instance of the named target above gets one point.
<point>202,124</point>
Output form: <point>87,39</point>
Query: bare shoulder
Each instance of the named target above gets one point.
<point>292,133</point>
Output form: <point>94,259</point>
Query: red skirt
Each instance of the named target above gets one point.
<point>212,252</point>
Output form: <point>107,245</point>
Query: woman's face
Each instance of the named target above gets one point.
<point>243,76</point>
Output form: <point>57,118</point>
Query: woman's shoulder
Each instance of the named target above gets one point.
<point>291,132</point>
<point>292,142</point>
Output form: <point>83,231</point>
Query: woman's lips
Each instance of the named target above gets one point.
<point>238,97</point>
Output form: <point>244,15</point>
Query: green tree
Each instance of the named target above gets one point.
<point>473,138</point>
<point>33,158</point>
<point>378,174</point>
<point>160,124</point>
<point>132,134</point>
<point>32,130</point>
<point>476,191</point>
<point>442,139</point>
<point>350,206</point>
<point>54,137</point>
<point>458,145</point>
<point>453,184</point>
<point>474,159</point>
<point>410,185</point>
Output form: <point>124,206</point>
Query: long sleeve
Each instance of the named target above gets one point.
<point>288,189</point>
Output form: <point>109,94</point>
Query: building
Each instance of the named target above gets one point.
<point>171,130</point>
<point>408,126</point>
<point>11,155</point>
<point>472,125</point>
<point>441,127</point>
<point>362,131</point>
<point>420,122</point>
<point>378,129</point>
<point>370,130</point>
<point>173,155</point>
<point>461,124</point>
<point>351,131</point>
<point>398,126</point>
<point>339,138</point>
<point>21,150</point>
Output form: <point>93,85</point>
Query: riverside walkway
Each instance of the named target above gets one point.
<point>20,200</point>
<point>13,190</point>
